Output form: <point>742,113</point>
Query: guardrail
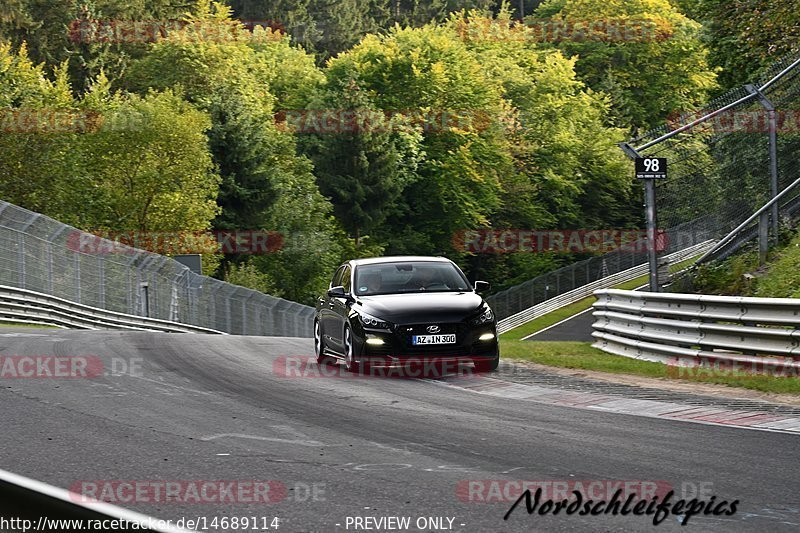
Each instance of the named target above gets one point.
<point>700,330</point>
<point>43,255</point>
<point>587,290</point>
<point>22,305</point>
<point>34,505</point>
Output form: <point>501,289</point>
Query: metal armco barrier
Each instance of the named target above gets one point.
<point>587,290</point>
<point>20,305</point>
<point>692,330</point>
<point>42,505</point>
<point>44,256</point>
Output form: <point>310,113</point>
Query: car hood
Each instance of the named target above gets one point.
<point>420,307</point>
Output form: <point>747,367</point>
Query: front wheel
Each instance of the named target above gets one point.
<point>351,364</point>
<point>319,345</point>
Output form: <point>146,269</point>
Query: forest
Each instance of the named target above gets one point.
<point>355,128</point>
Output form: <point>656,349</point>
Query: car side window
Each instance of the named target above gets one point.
<point>346,279</point>
<point>337,277</point>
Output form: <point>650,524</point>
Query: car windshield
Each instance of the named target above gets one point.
<point>422,276</point>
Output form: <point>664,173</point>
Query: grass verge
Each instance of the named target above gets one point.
<point>23,325</point>
<point>581,355</point>
<point>545,321</point>
<point>558,315</point>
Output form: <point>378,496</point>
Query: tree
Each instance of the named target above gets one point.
<point>52,30</point>
<point>266,184</point>
<point>221,76</point>
<point>569,171</point>
<point>108,160</point>
<point>429,77</point>
<point>416,13</point>
<point>747,36</point>
<point>323,26</point>
<point>357,165</point>
<point>150,163</point>
<point>646,56</point>
<point>37,159</point>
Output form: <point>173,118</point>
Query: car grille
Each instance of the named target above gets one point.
<point>436,350</point>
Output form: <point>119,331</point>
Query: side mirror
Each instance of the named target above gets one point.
<point>481,286</point>
<point>337,292</point>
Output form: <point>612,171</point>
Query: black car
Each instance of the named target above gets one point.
<point>395,310</point>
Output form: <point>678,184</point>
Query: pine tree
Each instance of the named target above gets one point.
<point>357,166</point>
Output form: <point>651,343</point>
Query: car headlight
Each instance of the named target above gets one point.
<point>485,317</point>
<point>373,323</point>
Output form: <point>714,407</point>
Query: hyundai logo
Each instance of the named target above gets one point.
<point>433,329</point>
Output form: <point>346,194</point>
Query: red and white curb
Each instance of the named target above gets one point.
<point>721,416</point>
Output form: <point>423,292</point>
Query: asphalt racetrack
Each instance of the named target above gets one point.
<point>188,408</point>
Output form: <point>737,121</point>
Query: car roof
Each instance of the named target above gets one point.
<point>398,259</point>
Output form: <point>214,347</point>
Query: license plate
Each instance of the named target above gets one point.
<point>434,339</point>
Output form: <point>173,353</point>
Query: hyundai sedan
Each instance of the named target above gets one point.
<point>395,310</point>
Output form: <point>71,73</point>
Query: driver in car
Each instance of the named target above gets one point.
<point>425,279</point>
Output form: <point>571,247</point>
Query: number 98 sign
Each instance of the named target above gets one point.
<point>651,168</point>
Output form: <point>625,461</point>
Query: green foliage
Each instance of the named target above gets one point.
<point>266,184</point>
<point>318,25</point>
<point>466,132</point>
<point>779,278</point>
<point>224,78</point>
<point>329,28</point>
<point>248,275</point>
<point>151,164</point>
<point>726,277</point>
<point>122,162</point>
<point>357,167</point>
<point>430,70</point>
<point>660,71</point>
<point>568,158</point>
<point>782,279</point>
<point>746,36</point>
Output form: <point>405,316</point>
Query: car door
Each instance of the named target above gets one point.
<point>340,309</point>
<point>326,309</point>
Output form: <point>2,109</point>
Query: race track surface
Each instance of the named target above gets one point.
<point>197,407</point>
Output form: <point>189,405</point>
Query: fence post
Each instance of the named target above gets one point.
<point>763,237</point>
<point>101,281</point>
<point>773,156</point>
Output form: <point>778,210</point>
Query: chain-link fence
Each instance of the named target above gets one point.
<point>537,290</point>
<point>720,172</point>
<point>43,255</point>
<point>730,158</point>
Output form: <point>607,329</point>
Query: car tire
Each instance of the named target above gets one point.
<point>484,366</point>
<point>319,345</point>
<point>351,363</point>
